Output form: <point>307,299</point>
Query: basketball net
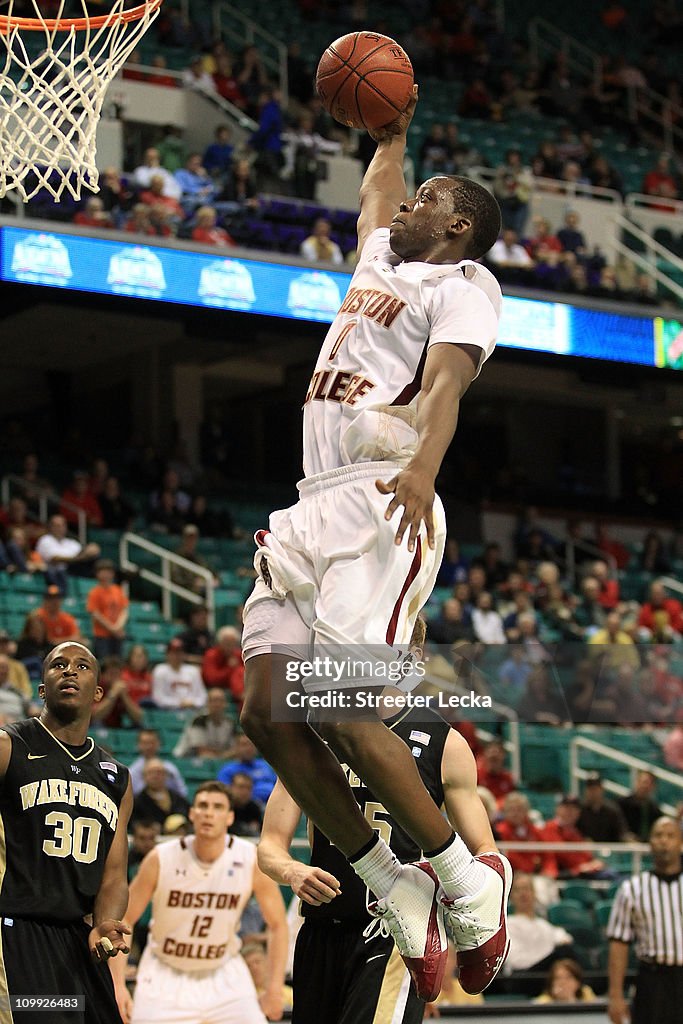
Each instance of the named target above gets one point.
<point>51,94</point>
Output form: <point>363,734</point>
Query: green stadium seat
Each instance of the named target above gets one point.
<point>570,913</point>
<point>22,601</point>
<point>580,892</point>
<point>602,911</point>
<point>144,611</point>
<point>31,583</point>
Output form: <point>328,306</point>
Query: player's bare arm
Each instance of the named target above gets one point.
<point>5,752</point>
<point>107,936</point>
<point>449,371</point>
<point>464,807</point>
<point>272,907</point>
<point>384,187</point>
<point>310,884</point>
<point>617,1007</point>
<point>140,893</point>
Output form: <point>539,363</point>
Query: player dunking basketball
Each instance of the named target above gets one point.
<point>418,322</point>
<point>64,808</point>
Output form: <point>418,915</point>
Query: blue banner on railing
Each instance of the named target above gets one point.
<point>220,281</point>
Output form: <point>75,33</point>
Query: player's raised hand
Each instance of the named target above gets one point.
<point>413,490</point>
<point>311,884</point>
<point>400,124</point>
<point>107,939</point>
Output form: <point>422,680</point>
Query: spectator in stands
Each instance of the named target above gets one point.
<point>512,188</point>
<point>614,548</point>
<point>16,554</point>
<point>613,646</point>
<point>195,77</point>
<point>639,808</point>
<point>222,664</point>
<point>172,150</point>
<point>166,516</point>
<point>433,153</point>
<point>18,675</point>
<point>659,181</point>
<point>197,638</point>
<point>673,744</point>
<point>185,577</point>
<point>541,701</point>
<point>562,829</point>
<point>151,168</point>
<point>454,567</point>
<point>161,77</point>
<point>303,149</point>
<point>609,586</point>
<point>507,252</point>
<point>171,483</point>
<point>196,185</point>
<point>570,237</point>
<point>108,608</point>
<point>13,707</point>
<point>486,622</point>
<point>77,496</point>
<point>319,247</point>
<point>155,802</point>
<point>117,700</point>
<point>602,174</point>
<point>31,485</point>
<point>248,761</point>
<point>33,646</point>
<point>59,625</point>
<point>93,214</point>
<point>209,522</point>
<point>653,558</point>
<point>138,675</point>
<point>176,683</point>
<point>451,626</point>
<point>516,826</point>
<point>217,158</point>
<point>589,614</point>
<point>156,196</point>
<point>16,514</point>
<point>514,673</point>
<point>492,773</point>
<point>564,984</point>
<point>149,745</point>
<point>252,78</point>
<point>210,734</point>
<point>661,618</point>
<point>117,198</point>
<point>206,230</point>
<point>476,100</point>
<point>267,140</point>
<point>225,82</point>
<point>144,835</point>
<point>534,942</point>
<point>541,235</point>
<point>241,185</point>
<point>600,819</point>
<point>139,223</point>
<point>546,162</point>
<point>117,511</point>
<point>248,813</point>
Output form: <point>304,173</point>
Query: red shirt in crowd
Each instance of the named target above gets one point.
<point>139,683</point>
<point>224,670</point>
<point>669,613</point>
<point>568,861</point>
<point>531,862</point>
<point>499,783</point>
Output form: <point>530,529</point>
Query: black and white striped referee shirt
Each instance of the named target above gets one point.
<point>648,908</point>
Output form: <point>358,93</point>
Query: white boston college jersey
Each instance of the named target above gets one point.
<point>361,403</point>
<point>196,908</point>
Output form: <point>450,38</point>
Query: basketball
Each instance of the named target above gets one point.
<point>364,79</point>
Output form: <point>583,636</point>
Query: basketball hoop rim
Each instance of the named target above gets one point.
<point>7,24</point>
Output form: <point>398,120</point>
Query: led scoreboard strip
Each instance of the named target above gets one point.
<point>178,274</point>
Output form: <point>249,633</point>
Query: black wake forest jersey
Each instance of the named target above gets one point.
<point>424,732</point>
<point>59,808</point>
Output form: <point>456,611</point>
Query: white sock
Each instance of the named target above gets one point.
<point>459,873</point>
<point>378,868</point>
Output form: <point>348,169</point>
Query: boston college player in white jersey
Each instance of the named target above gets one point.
<point>419,321</point>
<point>190,971</point>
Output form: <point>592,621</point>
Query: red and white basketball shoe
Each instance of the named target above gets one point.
<point>478,925</point>
<point>413,916</point>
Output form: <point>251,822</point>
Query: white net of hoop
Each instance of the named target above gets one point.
<point>52,86</point>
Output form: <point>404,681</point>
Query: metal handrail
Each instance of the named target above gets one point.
<point>242,119</point>
<point>568,45</point>
<point>638,200</point>
<point>600,555</point>
<point>164,581</point>
<point>635,763</point>
<point>556,186</point>
<point>671,583</point>
<point>252,32</point>
<point>44,497</point>
<point>647,264</point>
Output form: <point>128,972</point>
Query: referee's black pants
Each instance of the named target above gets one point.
<point>659,995</point>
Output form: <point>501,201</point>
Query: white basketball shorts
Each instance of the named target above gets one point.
<point>164,995</point>
<point>330,574</point>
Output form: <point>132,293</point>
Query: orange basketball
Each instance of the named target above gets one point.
<point>364,79</point>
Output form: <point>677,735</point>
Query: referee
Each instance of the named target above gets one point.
<point>648,909</point>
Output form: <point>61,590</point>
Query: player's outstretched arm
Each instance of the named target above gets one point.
<point>273,911</point>
<point>139,895</point>
<point>384,187</point>
<point>464,808</point>
<point>310,884</point>
<point>107,936</point>
<point>449,371</point>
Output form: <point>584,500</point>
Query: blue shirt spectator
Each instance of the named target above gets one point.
<point>218,156</point>
<point>194,181</point>
<point>247,762</point>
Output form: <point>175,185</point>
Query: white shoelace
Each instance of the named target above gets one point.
<point>377,927</point>
<point>465,926</point>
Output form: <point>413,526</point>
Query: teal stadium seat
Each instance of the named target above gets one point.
<point>602,911</point>
<point>570,913</point>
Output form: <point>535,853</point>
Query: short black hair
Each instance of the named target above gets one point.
<point>477,202</point>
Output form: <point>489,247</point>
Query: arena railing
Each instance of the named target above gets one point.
<point>638,201</point>
<point>48,502</point>
<point>654,251</point>
<point>545,39</point>
<point>577,774</point>
<point>163,579</point>
<point>225,18</point>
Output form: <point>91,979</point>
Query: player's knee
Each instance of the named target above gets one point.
<point>342,737</point>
